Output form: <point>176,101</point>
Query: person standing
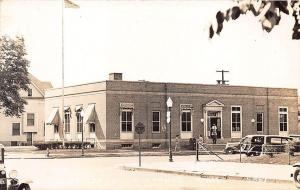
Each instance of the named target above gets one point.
<point>214,133</point>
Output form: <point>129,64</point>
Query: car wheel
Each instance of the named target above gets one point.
<point>256,153</point>
<point>24,187</point>
<point>297,177</point>
<point>228,151</point>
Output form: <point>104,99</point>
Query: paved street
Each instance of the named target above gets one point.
<point>104,173</point>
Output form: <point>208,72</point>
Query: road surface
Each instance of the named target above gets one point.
<point>105,173</point>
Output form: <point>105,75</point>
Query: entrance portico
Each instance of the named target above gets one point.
<point>213,115</point>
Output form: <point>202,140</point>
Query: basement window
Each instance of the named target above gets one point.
<point>155,145</point>
<point>126,145</point>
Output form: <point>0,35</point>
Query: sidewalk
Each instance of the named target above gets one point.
<point>221,170</point>
<point>57,154</point>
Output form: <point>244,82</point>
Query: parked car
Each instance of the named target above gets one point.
<point>295,137</point>
<point>254,145</point>
<point>234,147</point>
<point>296,175</point>
<point>296,142</point>
<point>11,182</point>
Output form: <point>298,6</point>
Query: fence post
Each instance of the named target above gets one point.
<point>289,156</point>
<point>197,151</point>
<point>240,152</point>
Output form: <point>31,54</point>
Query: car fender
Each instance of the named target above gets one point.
<point>25,181</point>
<point>296,164</point>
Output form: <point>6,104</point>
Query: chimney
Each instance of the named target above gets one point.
<point>115,76</point>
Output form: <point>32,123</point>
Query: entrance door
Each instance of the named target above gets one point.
<point>29,138</point>
<point>217,122</point>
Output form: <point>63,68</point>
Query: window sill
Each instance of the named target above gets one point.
<point>156,132</point>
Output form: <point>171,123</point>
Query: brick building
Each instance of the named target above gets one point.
<point>108,111</point>
<point>30,126</point>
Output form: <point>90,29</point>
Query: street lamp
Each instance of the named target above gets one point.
<point>169,105</point>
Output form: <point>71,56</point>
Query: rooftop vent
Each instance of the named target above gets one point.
<point>115,76</point>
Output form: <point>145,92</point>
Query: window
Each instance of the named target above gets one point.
<point>67,122</point>
<point>156,121</point>
<point>283,119</point>
<point>126,145</point>
<point>259,122</point>
<point>186,121</point>
<point>16,129</point>
<point>92,127</point>
<point>55,128</point>
<point>79,122</point>
<point>30,119</point>
<point>236,118</point>
<point>126,120</point>
<point>29,92</point>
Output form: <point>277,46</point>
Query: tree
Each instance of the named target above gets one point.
<point>268,11</point>
<point>13,75</point>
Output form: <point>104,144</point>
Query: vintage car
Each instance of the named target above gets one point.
<point>10,182</point>
<point>256,144</point>
<point>296,174</point>
<point>234,147</point>
<point>296,142</point>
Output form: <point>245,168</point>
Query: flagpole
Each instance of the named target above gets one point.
<point>62,72</point>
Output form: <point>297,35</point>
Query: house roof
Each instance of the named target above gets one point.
<point>41,85</point>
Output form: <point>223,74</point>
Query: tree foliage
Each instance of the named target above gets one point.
<point>13,75</point>
<point>268,11</point>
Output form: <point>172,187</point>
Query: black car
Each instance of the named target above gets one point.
<point>10,182</point>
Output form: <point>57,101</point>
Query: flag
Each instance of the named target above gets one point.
<point>70,4</point>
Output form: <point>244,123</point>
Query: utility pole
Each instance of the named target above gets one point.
<point>223,81</point>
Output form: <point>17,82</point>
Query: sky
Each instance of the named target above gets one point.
<point>159,41</point>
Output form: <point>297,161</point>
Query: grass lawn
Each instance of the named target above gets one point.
<point>276,159</point>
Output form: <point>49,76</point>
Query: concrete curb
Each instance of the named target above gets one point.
<point>208,176</point>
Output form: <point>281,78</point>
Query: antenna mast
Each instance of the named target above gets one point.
<point>223,81</point>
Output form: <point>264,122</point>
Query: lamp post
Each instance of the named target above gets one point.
<point>198,141</point>
<point>253,122</point>
<point>169,105</point>
<point>202,124</point>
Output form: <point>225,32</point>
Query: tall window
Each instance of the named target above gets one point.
<point>16,129</point>
<point>236,118</point>
<point>30,119</point>
<point>67,122</point>
<point>126,120</point>
<point>186,121</point>
<point>283,118</point>
<point>259,122</point>
<point>79,122</point>
<point>92,127</point>
<point>156,121</point>
<point>55,128</point>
